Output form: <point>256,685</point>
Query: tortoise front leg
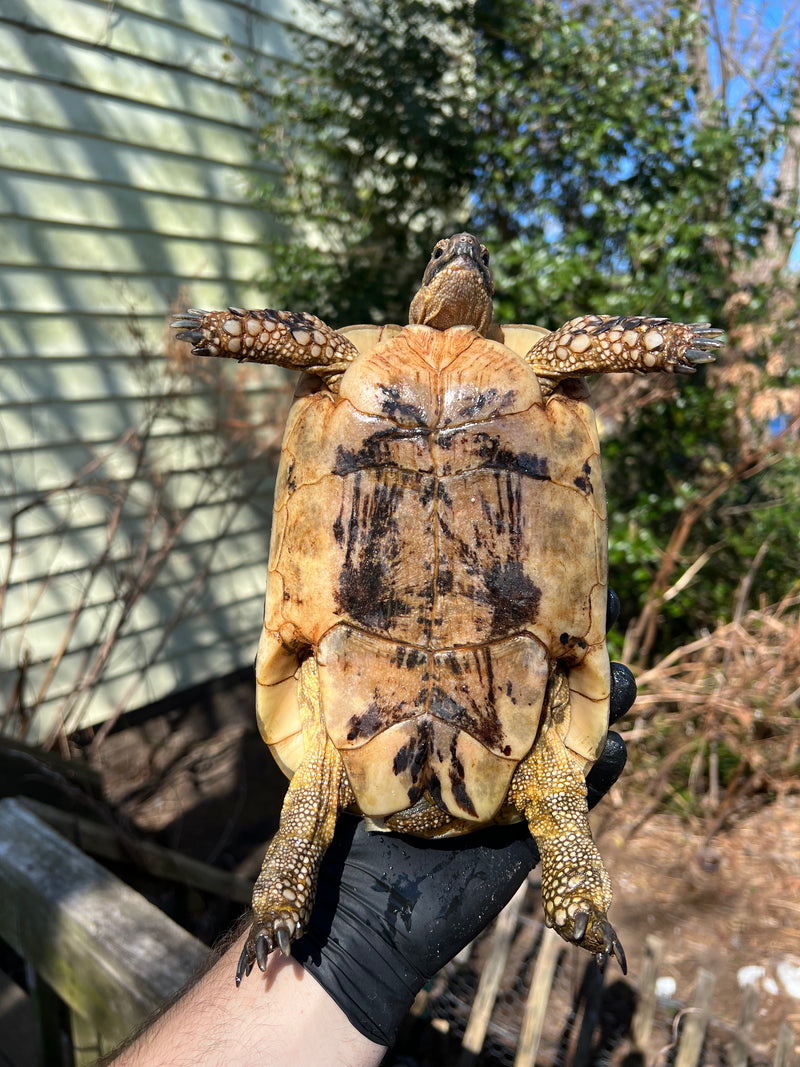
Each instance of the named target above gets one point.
<point>549,790</point>
<point>284,892</point>
<point>606,343</point>
<point>285,338</point>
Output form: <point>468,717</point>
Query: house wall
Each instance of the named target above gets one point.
<point>134,502</point>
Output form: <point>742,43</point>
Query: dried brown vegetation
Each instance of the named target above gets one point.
<point>718,726</point>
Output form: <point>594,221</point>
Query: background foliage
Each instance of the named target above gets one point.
<point>617,157</point>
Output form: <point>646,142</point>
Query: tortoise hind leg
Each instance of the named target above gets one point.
<point>549,789</point>
<point>284,892</point>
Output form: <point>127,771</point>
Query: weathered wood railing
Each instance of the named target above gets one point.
<point>92,942</point>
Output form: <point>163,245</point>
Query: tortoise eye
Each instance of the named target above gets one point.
<point>438,252</point>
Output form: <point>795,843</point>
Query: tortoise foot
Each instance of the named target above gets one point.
<point>585,924</point>
<point>282,900</point>
<point>591,928</point>
<point>262,939</point>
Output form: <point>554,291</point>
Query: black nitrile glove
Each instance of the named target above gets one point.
<point>391,911</point>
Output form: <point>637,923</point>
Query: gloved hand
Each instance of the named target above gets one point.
<point>390,911</point>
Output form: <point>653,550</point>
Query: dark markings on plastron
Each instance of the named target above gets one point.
<point>573,647</point>
<point>338,526</point>
<point>367,591</point>
<point>511,595</point>
<point>583,481</point>
<point>411,659</point>
<point>443,706</point>
<point>476,406</point>
<point>377,450</point>
<point>412,759</point>
<point>491,398</point>
<point>427,491</point>
<point>444,582</point>
<point>434,788</point>
<point>395,408</point>
<point>504,512</point>
<point>496,457</point>
<point>369,722</point>
<point>476,717</point>
<point>458,782</point>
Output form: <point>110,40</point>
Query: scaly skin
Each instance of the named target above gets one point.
<point>457,287</point>
<point>549,790</point>
<point>285,338</point>
<point>606,343</point>
<point>285,889</point>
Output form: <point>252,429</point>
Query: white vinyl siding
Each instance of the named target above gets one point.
<point>126,166</point>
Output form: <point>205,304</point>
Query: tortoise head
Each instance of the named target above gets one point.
<point>456,287</point>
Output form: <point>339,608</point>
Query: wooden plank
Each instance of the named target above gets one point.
<point>83,334</point>
<point>238,586</point>
<point>129,685</point>
<point>28,243</point>
<point>491,975</point>
<point>47,1008</point>
<point>90,528</point>
<point>107,110</point>
<point>108,953</point>
<point>87,1044</point>
<point>695,1021</point>
<point>207,616</point>
<point>538,998</point>
<point>243,543</point>
<point>642,1023</point>
<point>784,1048</point>
<point>101,840</point>
<point>35,290</point>
<point>743,1038</point>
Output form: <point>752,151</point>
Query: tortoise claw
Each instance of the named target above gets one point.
<point>262,950</point>
<point>612,946</point>
<point>245,964</point>
<point>701,348</point>
<point>189,323</point>
<point>700,355</point>
<point>580,926</point>
<point>283,935</point>
<point>602,933</point>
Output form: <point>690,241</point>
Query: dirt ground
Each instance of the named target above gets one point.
<point>725,904</point>
<point>197,778</point>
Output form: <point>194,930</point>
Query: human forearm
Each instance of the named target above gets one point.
<point>281,1017</point>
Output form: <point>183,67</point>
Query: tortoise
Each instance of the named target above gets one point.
<point>433,653</point>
